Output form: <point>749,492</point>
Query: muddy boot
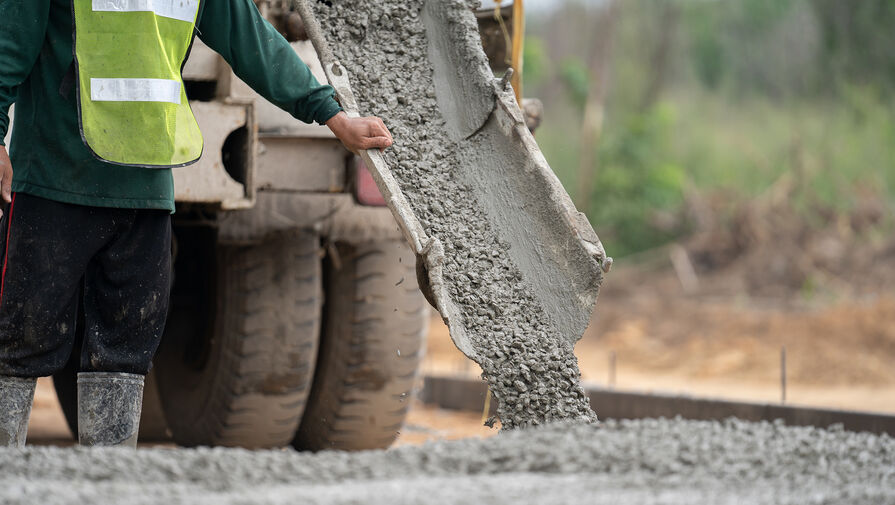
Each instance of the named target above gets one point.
<point>109,406</point>
<point>16,397</point>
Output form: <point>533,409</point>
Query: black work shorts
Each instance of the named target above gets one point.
<point>115,262</point>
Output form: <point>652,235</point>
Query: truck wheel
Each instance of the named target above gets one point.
<point>236,363</point>
<point>375,325</point>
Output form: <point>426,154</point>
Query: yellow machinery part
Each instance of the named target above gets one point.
<point>518,45</point>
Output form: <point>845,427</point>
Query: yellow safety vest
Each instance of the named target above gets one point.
<point>132,105</point>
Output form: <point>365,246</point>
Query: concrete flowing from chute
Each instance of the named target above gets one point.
<point>521,266</point>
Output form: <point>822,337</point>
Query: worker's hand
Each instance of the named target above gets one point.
<point>5,176</point>
<point>360,133</point>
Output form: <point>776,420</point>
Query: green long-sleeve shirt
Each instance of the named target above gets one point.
<point>50,160</point>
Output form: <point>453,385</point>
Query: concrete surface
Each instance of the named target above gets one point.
<point>630,462</point>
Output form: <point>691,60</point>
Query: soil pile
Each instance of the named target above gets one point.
<point>531,370</point>
<point>778,246</point>
<point>643,462</point>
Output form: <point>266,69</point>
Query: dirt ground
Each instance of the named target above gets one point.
<point>839,353</point>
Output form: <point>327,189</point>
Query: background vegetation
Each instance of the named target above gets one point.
<point>653,107</point>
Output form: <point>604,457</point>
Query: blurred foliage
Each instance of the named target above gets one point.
<point>576,79</point>
<point>750,91</point>
<point>636,179</point>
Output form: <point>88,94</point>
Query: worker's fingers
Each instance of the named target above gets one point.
<point>383,129</point>
<point>383,136</point>
<point>5,176</point>
<point>6,188</point>
<point>6,185</point>
<point>378,130</point>
<point>380,142</point>
<point>377,127</point>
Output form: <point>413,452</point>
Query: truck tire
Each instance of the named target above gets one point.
<point>238,371</point>
<point>375,324</point>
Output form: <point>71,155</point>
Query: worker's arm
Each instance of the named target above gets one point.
<point>23,26</point>
<point>262,58</point>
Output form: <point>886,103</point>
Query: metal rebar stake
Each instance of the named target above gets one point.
<point>782,374</point>
<point>612,369</point>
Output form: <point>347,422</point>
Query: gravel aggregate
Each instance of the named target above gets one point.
<point>652,461</point>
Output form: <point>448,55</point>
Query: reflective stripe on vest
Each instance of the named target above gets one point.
<point>134,90</point>
<point>184,10</point>
<point>133,108</point>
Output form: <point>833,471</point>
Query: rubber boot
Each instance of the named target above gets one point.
<point>109,406</point>
<point>16,398</point>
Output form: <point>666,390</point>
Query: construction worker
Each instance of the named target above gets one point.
<point>102,117</point>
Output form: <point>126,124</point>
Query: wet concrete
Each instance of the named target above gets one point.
<point>633,462</point>
<point>528,363</point>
